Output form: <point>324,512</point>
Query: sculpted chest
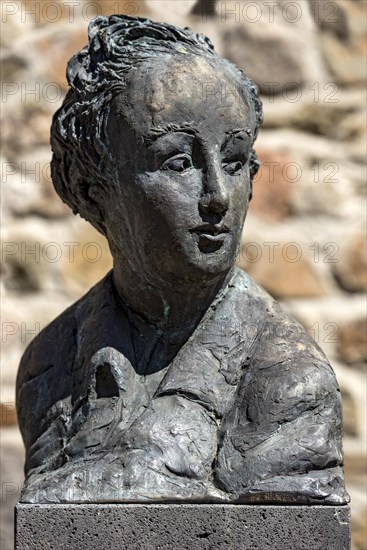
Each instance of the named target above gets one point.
<point>174,414</point>
<point>223,421</point>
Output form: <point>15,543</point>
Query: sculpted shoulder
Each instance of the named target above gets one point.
<point>283,437</point>
<point>57,341</point>
<point>286,358</point>
<point>44,375</point>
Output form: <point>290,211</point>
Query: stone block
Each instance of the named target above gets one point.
<point>182,526</point>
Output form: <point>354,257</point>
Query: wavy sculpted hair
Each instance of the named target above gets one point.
<point>79,139</point>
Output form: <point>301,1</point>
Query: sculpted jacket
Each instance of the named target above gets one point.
<point>247,411</point>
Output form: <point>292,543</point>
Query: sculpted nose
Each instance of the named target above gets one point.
<point>214,199</point>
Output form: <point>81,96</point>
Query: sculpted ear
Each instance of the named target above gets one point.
<point>254,168</point>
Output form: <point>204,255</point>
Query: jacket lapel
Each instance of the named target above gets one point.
<point>209,365</point>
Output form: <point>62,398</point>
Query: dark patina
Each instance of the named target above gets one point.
<point>176,378</point>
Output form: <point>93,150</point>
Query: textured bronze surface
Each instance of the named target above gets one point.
<point>176,378</point>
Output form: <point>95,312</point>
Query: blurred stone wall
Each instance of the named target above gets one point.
<point>304,238</point>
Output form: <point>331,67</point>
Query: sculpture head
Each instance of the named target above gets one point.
<point>154,146</point>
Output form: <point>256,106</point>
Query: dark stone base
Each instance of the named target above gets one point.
<point>181,526</point>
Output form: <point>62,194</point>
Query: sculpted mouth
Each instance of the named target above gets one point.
<point>210,230</point>
<point>210,238</point>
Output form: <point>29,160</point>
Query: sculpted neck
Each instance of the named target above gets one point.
<point>176,307</point>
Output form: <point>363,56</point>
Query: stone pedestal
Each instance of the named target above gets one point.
<point>181,526</point>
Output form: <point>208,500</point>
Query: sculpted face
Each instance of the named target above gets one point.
<point>181,136</point>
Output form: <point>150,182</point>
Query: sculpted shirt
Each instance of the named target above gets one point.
<point>247,411</point>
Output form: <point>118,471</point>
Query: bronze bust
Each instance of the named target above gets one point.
<point>175,378</point>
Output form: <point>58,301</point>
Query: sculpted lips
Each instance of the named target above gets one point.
<point>210,230</point>
<point>210,237</point>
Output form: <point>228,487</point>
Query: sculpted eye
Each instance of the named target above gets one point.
<point>233,167</point>
<point>179,163</point>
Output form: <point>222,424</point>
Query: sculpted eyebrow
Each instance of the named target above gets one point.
<point>159,131</point>
<point>241,134</point>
